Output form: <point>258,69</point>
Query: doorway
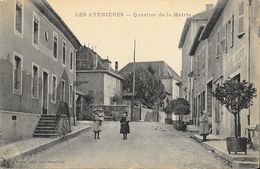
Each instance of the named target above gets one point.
<point>45,82</point>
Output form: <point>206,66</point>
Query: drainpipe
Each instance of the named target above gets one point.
<point>74,87</point>
<point>249,50</point>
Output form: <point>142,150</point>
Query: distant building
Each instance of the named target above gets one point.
<point>169,77</point>
<point>37,65</point>
<point>95,76</point>
<point>188,72</point>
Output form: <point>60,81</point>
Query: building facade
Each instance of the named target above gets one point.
<point>188,72</point>
<point>226,48</point>
<point>95,76</point>
<point>37,67</point>
<point>168,76</point>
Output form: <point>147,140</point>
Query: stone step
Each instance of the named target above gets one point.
<point>244,164</point>
<point>45,135</point>
<point>48,118</point>
<point>45,131</point>
<point>47,121</point>
<point>48,115</point>
<point>45,127</point>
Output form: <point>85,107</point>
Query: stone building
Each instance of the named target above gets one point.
<point>95,76</point>
<point>226,48</point>
<point>37,65</point>
<point>188,72</point>
<point>169,77</point>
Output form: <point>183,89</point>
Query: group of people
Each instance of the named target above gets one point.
<point>99,117</point>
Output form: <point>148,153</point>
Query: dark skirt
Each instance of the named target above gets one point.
<point>124,128</point>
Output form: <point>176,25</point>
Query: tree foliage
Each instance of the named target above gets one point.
<point>149,88</point>
<point>181,106</point>
<point>234,95</point>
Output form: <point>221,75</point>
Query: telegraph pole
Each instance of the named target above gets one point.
<point>133,91</point>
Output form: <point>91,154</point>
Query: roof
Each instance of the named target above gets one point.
<point>204,16</point>
<point>162,69</point>
<point>217,11</point>
<point>102,71</point>
<point>196,41</point>
<point>101,67</point>
<point>45,8</point>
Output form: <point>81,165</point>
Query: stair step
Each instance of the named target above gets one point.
<point>48,115</point>
<point>244,164</point>
<point>45,135</point>
<point>45,131</point>
<point>47,121</point>
<point>45,127</point>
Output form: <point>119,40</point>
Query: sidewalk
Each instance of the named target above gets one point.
<point>32,145</point>
<point>238,161</point>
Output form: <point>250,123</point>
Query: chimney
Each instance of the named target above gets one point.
<point>209,6</point>
<point>116,66</point>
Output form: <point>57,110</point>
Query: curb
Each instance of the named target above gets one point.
<point>44,146</point>
<point>232,161</point>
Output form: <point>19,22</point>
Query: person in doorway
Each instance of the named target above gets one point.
<point>124,126</point>
<point>204,127</point>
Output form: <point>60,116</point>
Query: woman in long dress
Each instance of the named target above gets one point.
<point>124,126</point>
<point>204,126</point>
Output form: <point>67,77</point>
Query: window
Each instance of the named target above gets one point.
<point>64,53</point>
<point>218,44</point>
<point>17,74</point>
<point>36,29</point>
<point>241,18</point>
<point>203,101</point>
<point>71,61</point>
<point>70,95</point>
<point>62,90</point>
<point>223,40</point>
<point>217,109</point>
<point>230,33</point>
<point>54,89</point>
<point>55,45</point>
<point>35,81</point>
<point>19,18</point>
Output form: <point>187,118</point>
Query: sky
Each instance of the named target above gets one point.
<point>111,26</point>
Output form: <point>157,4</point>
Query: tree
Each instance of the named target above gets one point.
<point>181,107</point>
<point>149,88</point>
<point>235,96</point>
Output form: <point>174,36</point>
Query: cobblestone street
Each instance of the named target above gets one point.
<point>150,145</point>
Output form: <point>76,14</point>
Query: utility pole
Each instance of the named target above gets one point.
<point>133,91</point>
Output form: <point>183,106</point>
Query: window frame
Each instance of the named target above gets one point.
<point>55,94</point>
<point>38,74</point>
<point>71,61</point>
<point>17,32</point>
<point>35,16</point>
<point>241,15</point>
<point>55,34</point>
<point>63,97</point>
<point>64,44</point>
<point>19,91</point>
<point>70,95</point>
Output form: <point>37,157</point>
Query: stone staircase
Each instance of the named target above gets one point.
<point>46,126</point>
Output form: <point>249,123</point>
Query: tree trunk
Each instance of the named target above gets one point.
<point>235,120</point>
<point>238,124</point>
